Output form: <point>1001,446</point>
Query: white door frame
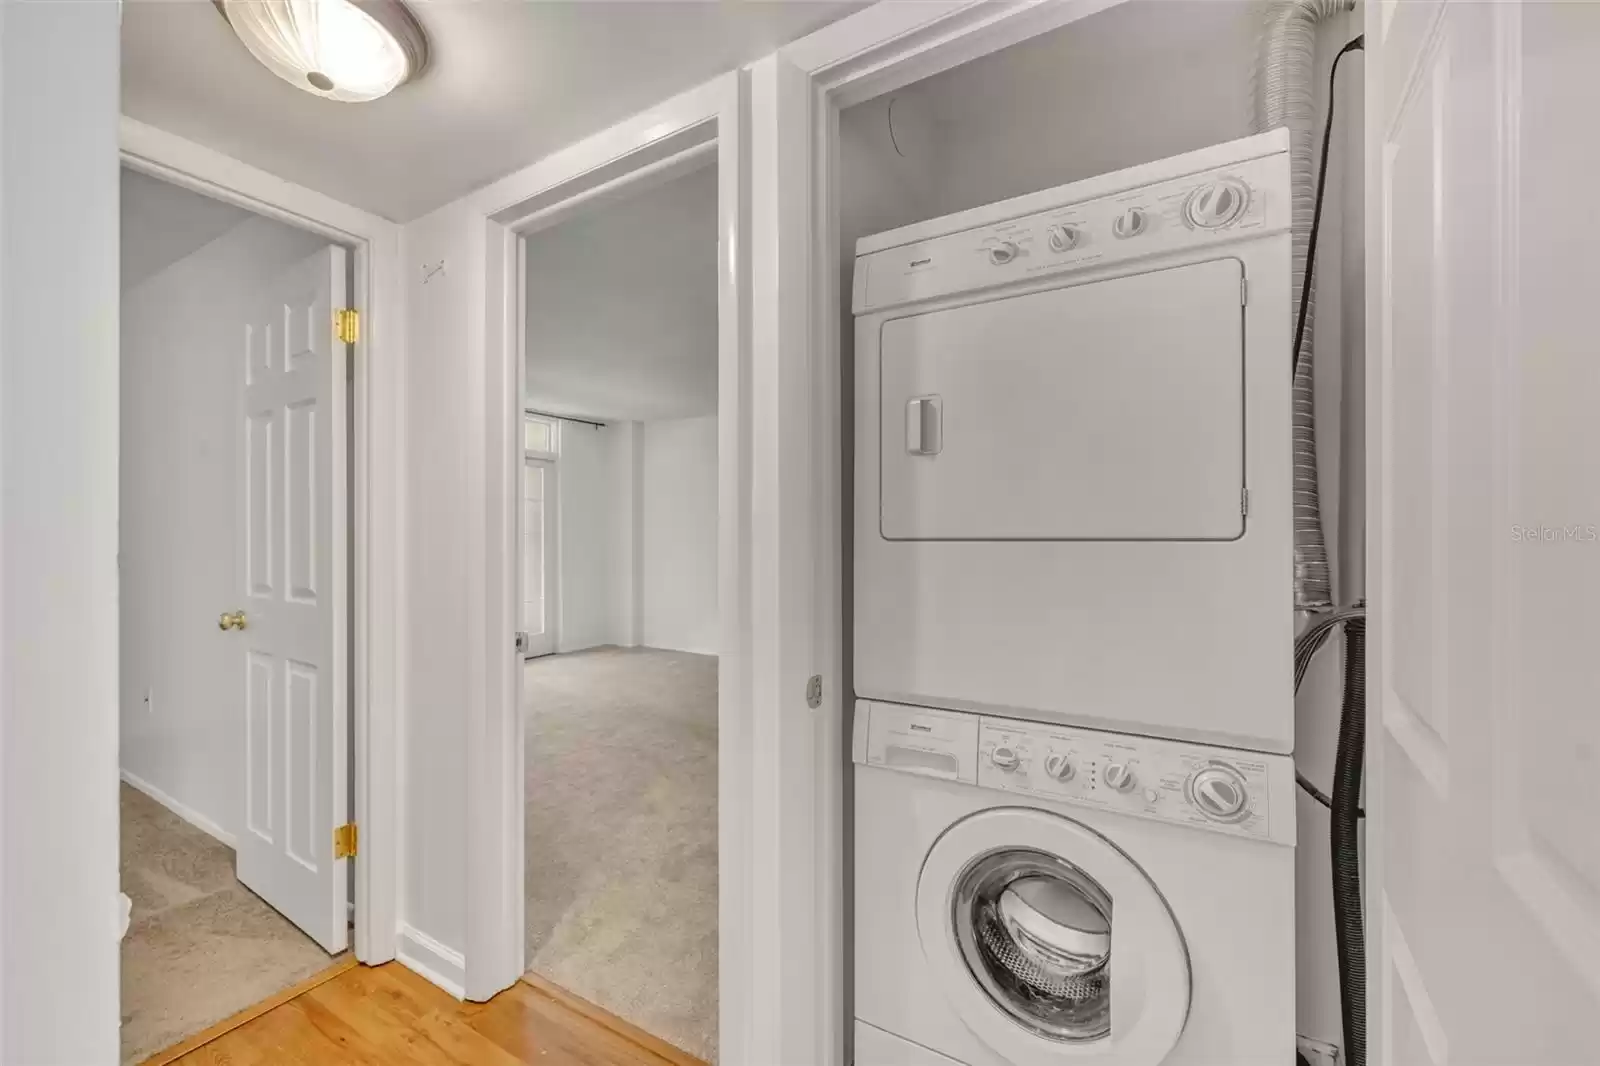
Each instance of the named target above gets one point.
<point>679,135</point>
<point>378,462</point>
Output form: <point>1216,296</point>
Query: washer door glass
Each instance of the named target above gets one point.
<point>1036,933</point>
<point>1051,943</point>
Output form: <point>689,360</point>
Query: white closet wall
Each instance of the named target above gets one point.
<point>1138,82</point>
<point>181,367</point>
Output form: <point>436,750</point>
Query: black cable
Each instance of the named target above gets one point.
<point>1359,43</point>
<point>1344,845</point>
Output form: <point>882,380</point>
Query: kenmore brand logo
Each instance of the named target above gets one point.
<point>919,728</point>
<point>921,262</point>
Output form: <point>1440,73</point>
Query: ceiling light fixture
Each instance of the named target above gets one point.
<point>346,50</point>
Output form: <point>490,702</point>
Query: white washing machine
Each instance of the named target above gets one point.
<point>1073,454</point>
<point>1030,893</point>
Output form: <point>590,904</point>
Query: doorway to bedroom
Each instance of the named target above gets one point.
<point>619,607</point>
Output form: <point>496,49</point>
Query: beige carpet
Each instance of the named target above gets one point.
<point>201,946</point>
<point>622,835</point>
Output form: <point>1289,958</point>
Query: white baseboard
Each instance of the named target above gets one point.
<point>431,960</point>
<point>663,646</point>
<point>188,814</point>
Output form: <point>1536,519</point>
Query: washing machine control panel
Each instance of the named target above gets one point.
<point>1210,207</point>
<point>1214,788</point>
<point>1223,790</point>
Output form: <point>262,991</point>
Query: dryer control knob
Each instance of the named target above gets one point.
<point>1005,759</point>
<point>1002,253</point>
<point>1217,204</point>
<point>1130,223</point>
<point>1120,777</point>
<point>1219,792</point>
<point>1058,766</point>
<point>1064,237</point>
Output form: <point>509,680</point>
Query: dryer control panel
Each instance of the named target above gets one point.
<point>1224,790</point>
<point>1205,208</point>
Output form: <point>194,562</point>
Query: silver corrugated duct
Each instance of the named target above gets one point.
<point>1286,96</point>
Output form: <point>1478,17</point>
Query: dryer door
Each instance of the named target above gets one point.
<point>1105,411</point>
<point>1051,943</point>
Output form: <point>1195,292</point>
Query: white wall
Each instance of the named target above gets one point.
<point>622,306</point>
<point>1138,82</point>
<point>594,486</point>
<point>679,531</point>
<point>179,525</point>
<point>442,416</point>
<point>58,533</point>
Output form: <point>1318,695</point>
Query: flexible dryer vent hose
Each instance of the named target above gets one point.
<point>1286,96</point>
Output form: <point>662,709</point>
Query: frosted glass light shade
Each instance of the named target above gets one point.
<point>337,49</point>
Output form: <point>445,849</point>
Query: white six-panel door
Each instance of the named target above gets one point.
<point>1484,274</point>
<point>292,521</point>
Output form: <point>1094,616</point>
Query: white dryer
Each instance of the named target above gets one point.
<point>1073,454</point>
<point>1029,894</point>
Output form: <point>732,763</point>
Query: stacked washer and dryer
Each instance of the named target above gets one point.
<point>1074,803</point>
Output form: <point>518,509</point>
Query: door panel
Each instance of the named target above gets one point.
<point>292,499</point>
<point>1484,537</point>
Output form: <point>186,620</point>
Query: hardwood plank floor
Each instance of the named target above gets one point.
<point>388,1016</point>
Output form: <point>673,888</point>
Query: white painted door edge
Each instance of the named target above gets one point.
<point>376,609</point>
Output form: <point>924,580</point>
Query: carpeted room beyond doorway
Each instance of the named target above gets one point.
<point>622,835</point>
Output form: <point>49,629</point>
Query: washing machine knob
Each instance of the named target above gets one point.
<point>1005,759</point>
<point>1058,766</point>
<point>1120,777</point>
<point>1219,792</point>
<point>1130,223</point>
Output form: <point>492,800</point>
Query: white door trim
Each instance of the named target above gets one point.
<point>670,139</point>
<point>378,461</point>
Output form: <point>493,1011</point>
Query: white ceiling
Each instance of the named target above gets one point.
<point>162,223</point>
<point>622,307</point>
<point>509,82</point>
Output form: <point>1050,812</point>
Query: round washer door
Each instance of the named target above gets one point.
<point>1051,943</point>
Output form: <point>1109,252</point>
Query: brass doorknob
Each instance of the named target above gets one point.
<point>234,620</point>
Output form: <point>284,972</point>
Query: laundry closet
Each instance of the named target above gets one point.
<point>1071,540</point>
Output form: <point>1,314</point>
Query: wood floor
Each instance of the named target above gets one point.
<point>388,1016</point>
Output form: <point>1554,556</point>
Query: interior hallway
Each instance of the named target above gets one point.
<point>622,835</point>
<point>201,946</point>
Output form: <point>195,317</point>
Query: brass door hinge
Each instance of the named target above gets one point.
<point>344,841</point>
<point>347,324</point>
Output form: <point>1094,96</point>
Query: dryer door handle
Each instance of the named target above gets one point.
<point>924,425</point>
